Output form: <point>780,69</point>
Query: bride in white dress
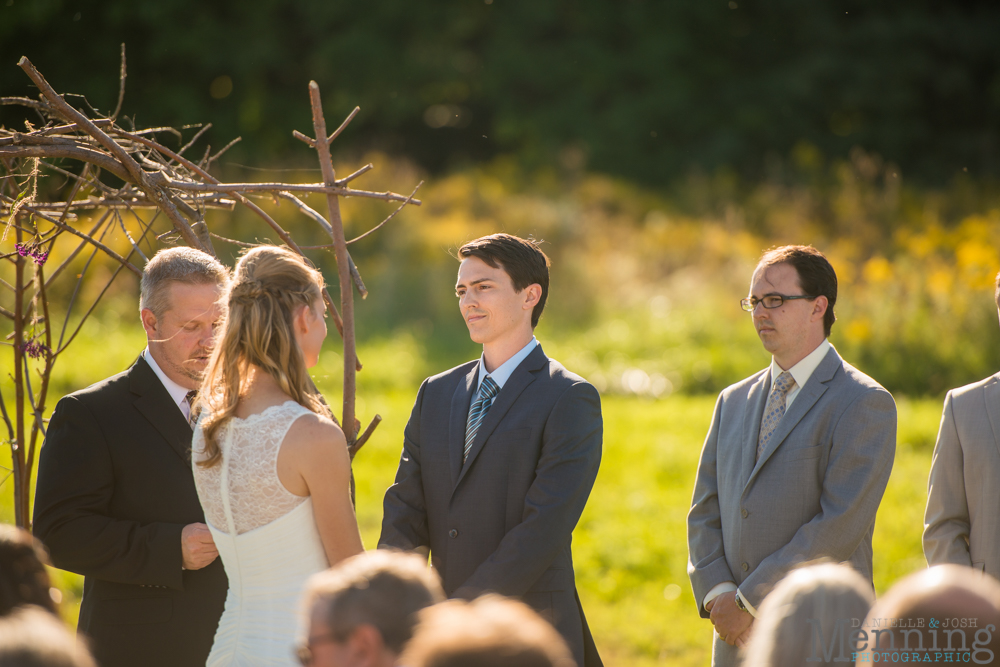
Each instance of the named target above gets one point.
<point>271,467</point>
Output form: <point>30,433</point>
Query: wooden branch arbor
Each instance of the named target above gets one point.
<point>158,183</point>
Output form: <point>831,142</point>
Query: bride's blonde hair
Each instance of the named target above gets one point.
<point>269,285</point>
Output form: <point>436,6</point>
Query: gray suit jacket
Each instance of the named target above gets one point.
<point>812,494</point>
<point>503,521</point>
<point>962,524</point>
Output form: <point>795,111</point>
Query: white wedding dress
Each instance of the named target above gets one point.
<point>266,536</point>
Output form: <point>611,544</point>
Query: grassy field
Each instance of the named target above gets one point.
<point>630,546</point>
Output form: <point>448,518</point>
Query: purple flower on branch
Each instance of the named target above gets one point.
<point>35,350</point>
<point>36,253</point>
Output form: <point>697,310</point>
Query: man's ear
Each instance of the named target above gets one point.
<point>148,322</point>
<point>819,307</point>
<point>532,293</point>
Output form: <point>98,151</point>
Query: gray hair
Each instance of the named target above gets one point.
<point>30,637</point>
<point>809,598</point>
<point>383,588</point>
<point>182,265</point>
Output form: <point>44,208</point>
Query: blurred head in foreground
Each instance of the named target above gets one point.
<point>30,637</point>
<point>949,612</point>
<point>362,612</point>
<point>491,631</point>
<point>809,598</point>
<point>23,579</point>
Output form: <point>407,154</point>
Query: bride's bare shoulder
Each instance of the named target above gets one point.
<point>313,434</point>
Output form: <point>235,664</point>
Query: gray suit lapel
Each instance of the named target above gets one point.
<point>522,376</point>
<point>461,400</point>
<point>806,399</point>
<point>992,396</point>
<point>752,415</point>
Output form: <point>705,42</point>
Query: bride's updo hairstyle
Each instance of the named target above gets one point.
<point>269,286</point>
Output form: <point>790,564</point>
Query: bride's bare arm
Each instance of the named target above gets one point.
<point>313,460</point>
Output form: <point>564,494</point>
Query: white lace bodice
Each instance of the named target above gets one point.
<point>250,448</point>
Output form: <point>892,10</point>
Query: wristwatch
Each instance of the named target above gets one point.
<point>739,603</point>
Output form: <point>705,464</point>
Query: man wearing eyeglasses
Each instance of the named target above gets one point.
<point>796,460</point>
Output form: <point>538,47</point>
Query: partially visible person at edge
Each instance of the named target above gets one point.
<point>23,578</point>
<point>30,637</point>
<point>271,467</point>
<point>500,454</point>
<point>362,612</point>
<point>115,499</point>
<point>962,521</point>
<point>796,459</point>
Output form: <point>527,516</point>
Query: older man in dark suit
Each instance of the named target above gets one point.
<point>115,499</point>
<point>500,454</point>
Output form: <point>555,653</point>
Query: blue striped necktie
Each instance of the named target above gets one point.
<point>478,412</point>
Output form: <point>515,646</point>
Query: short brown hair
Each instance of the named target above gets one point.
<point>181,265</point>
<point>383,588</point>
<point>521,259</point>
<point>491,631</point>
<point>816,275</point>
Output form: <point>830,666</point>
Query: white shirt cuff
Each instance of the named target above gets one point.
<point>718,590</point>
<point>746,603</point>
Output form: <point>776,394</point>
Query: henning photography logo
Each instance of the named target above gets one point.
<point>902,640</point>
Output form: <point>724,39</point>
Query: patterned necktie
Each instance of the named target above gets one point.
<point>478,412</point>
<point>189,399</point>
<point>775,408</point>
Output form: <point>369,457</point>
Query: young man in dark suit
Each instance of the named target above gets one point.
<point>115,498</point>
<point>500,454</point>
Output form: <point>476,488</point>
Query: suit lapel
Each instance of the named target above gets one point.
<point>461,401</point>
<point>154,403</point>
<point>752,415</point>
<point>992,397</point>
<point>522,376</point>
<point>806,399</point>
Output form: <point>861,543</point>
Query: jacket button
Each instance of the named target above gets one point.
<point>452,533</point>
<point>745,567</point>
<point>745,513</point>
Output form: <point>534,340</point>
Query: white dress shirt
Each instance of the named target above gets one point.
<point>504,370</point>
<point>801,372</point>
<point>177,392</point>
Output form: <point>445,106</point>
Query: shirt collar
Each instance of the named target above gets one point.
<point>177,392</point>
<point>504,370</point>
<point>802,371</point>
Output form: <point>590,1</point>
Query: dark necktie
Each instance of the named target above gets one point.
<point>478,412</point>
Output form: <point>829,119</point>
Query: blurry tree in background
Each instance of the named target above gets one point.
<point>641,89</point>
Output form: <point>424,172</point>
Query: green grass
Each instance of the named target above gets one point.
<point>630,546</point>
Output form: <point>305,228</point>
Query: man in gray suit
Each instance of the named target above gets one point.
<point>796,460</point>
<point>500,454</point>
<point>962,521</point>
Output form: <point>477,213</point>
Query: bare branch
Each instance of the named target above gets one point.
<point>195,138</point>
<point>121,87</point>
<point>390,217</point>
<point>343,126</point>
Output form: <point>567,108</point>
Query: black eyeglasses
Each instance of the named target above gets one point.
<point>769,301</point>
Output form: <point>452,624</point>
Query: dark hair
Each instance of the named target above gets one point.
<point>816,275</point>
<point>23,579</point>
<point>383,588</point>
<point>521,259</point>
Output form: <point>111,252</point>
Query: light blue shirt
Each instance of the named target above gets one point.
<point>504,370</point>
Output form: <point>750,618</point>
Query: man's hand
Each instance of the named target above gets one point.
<point>732,623</point>
<point>197,546</point>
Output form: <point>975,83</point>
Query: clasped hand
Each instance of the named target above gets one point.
<point>732,623</point>
<point>197,546</point>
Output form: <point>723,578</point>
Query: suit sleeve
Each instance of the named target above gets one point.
<point>565,474</point>
<point>861,455</point>
<point>75,487</point>
<point>707,566</point>
<point>404,511</point>
<point>946,520</point>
